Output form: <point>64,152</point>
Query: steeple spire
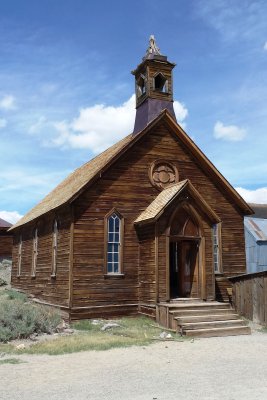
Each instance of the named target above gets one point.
<point>153,86</point>
<point>153,49</point>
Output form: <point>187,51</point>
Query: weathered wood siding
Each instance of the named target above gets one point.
<point>147,267</point>
<point>250,296</point>
<point>6,242</point>
<point>43,286</point>
<point>126,187</point>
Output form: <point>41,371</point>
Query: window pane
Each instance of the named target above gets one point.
<point>111,237</point>
<point>117,224</point>
<point>109,257</point>
<point>115,247</point>
<point>116,257</point>
<point>111,224</point>
<point>110,269</point>
<point>116,267</point>
<point>117,237</point>
<point>110,248</point>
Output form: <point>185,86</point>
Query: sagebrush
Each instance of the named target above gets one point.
<point>20,319</point>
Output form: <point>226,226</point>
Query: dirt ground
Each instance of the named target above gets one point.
<point>229,368</point>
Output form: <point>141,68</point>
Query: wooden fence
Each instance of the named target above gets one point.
<point>250,296</point>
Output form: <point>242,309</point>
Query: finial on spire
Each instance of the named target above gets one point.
<point>153,48</point>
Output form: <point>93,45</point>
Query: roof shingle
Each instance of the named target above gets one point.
<point>73,183</point>
<point>161,201</point>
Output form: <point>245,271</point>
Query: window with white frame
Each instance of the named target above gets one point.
<point>54,249</point>
<point>114,244</point>
<point>35,252</point>
<point>19,256</point>
<point>216,232</point>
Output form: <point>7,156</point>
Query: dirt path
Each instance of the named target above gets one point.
<point>230,368</point>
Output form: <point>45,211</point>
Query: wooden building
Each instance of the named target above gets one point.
<point>148,221</point>
<point>6,240</point>
<point>256,244</point>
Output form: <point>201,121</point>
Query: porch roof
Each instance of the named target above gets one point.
<point>159,204</point>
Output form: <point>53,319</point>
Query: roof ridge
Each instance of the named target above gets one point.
<point>74,183</point>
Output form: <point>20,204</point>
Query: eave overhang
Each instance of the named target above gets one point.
<point>167,197</point>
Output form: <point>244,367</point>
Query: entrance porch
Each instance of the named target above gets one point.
<point>176,247</point>
<point>192,317</point>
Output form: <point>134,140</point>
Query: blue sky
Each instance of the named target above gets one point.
<point>66,92</point>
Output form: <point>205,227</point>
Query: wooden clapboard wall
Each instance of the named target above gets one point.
<point>52,290</point>
<point>6,242</point>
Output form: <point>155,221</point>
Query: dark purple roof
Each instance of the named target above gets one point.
<point>4,224</point>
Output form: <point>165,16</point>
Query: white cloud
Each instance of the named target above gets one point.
<point>228,132</point>
<point>253,196</point>
<point>10,216</point>
<point>265,46</point>
<point>19,180</point>
<point>99,126</point>
<point>7,102</point>
<point>3,123</point>
<point>241,19</point>
<point>37,126</point>
<point>181,112</point>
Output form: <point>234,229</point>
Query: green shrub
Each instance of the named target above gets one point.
<point>19,319</point>
<point>5,263</point>
<point>3,282</point>
<point>14,295</point>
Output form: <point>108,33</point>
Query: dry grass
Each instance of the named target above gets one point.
<point>11,361</point>
<point>138,331</point>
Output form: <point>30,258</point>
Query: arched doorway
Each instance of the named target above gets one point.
<point>185,240</point>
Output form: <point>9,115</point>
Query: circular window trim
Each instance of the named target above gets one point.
<point>161,186</point>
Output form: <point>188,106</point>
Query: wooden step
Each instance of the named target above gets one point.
<point>185,300</point>
<point>211,324</point>
<point>207,317</point>
<point>197,306</point>
<point>199,312</point>
<point>227,331</point>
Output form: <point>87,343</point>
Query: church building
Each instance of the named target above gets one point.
<point>149,221</point>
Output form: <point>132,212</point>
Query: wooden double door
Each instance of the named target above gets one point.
<point>184,268</point>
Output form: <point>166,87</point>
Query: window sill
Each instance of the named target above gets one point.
<point>159,91</point>
<point>114,276</point>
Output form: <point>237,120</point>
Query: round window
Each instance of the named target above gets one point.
<point>163,174</point>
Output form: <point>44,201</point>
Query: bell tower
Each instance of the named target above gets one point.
<point>153,86</point>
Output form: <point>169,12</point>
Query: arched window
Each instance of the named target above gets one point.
<point>19,256</point>
<point>114,243</point>
<point>34,252</point>
<point>216,236</point>
<point>160,83</point>
<point>141,85</point>
<point>54,249</point>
